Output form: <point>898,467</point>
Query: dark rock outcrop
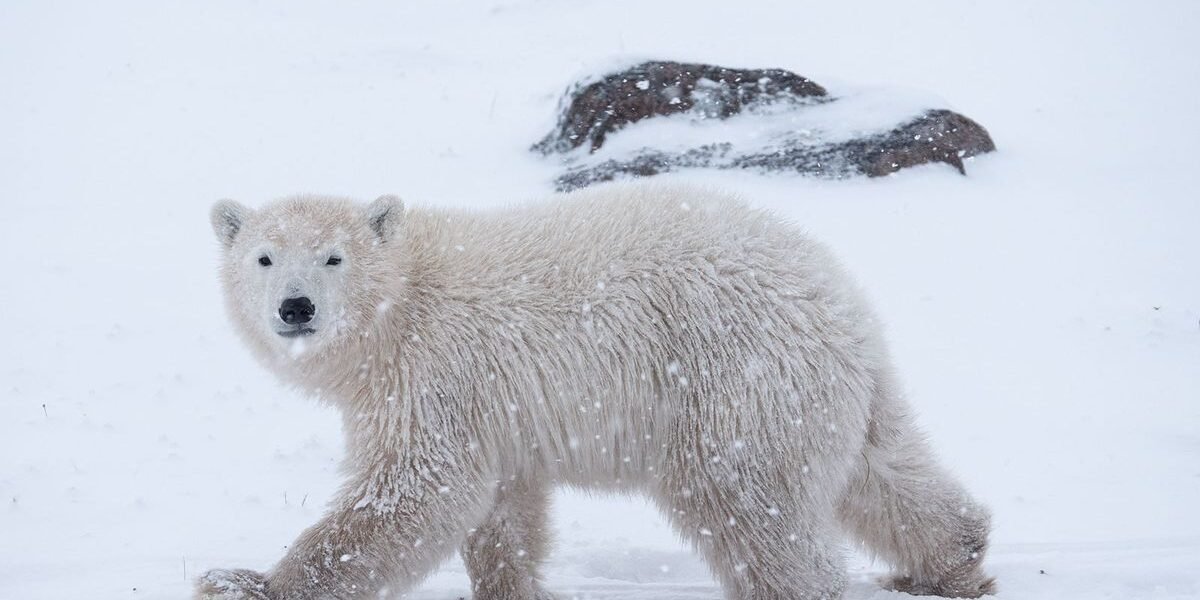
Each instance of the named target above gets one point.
<point>659,88</point>
<point>593,111</point>
<point>937,136</point>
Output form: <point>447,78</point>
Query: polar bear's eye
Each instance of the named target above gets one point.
<point>334,261</point>
<point>264,260</point>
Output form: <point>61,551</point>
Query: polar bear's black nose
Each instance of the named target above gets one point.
<point>297,311</point>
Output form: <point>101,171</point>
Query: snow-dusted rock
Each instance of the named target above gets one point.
<point>770,120</point>
<point>593,109</point>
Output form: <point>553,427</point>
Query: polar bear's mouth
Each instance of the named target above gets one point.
<point>297,332</point>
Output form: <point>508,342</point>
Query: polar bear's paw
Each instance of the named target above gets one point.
<point>536,593</point>
<point>961,586</point>
<point>232,584</point>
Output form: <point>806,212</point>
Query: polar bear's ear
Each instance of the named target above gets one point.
<point>227,219</point>
<point>384,216</point>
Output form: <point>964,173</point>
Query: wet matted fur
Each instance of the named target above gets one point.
<point>654,339</point>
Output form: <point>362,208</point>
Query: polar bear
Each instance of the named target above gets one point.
<point>642,338</point>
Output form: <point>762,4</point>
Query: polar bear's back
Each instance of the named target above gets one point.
<point>588,239</point>
<point>666,266</point>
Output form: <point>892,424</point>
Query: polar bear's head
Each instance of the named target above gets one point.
<point>304,273</point>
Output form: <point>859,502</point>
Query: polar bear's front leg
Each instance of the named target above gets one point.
<point>504,552</point>
<point>394,526</point>
<point>391,526</point>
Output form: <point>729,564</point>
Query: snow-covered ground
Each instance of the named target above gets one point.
<point>1045,310</point>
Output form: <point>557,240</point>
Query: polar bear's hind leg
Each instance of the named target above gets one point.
<point>908,510</point>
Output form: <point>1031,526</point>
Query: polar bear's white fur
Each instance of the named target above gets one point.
<point>652,339</point>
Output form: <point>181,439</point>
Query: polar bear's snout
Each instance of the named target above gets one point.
<point>297,312</point>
